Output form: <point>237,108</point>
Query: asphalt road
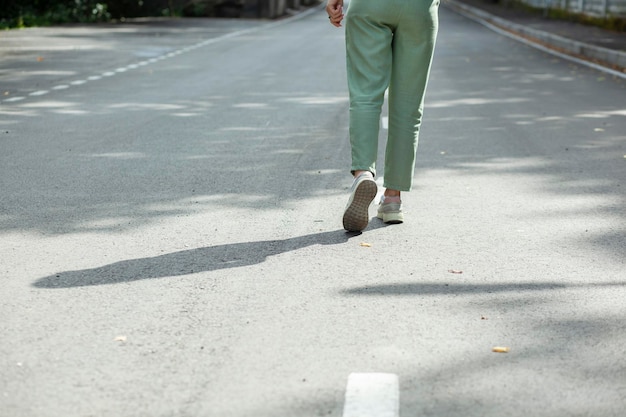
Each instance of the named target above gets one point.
<point>170,216</point>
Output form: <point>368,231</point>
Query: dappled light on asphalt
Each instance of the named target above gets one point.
<point>571,150</point>
<point>119,155</point>
<point>254,118</point>
<point>190,150</point>
<point>147,106</point>
<point>318,100</point>
<point>172,232</point>
<point>474,102</point>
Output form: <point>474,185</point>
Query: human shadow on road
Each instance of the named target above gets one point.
<point>190,261</point>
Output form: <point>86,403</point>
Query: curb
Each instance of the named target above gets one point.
<point>576,48</point>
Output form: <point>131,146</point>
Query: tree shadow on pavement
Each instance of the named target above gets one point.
<point>189,261</point>
<point>426,288</point>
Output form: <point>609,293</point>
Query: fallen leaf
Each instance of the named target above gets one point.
<point>120,339</point>
<point>365,245</point>
<point>483,318</point>
<point>501,349</point>
<point>598,129</point>
<point>455,271</point>
<point>39,59</point>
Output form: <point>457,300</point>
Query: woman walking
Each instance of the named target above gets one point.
<point>389,45</point>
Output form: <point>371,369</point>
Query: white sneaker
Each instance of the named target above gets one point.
<point>390,210</point>
<point>356,215</point>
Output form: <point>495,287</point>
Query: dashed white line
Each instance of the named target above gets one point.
<point>166,56</point>
<point>372,395</point>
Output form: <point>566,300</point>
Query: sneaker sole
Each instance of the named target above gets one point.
<point>356,216</point>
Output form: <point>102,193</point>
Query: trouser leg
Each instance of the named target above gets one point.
<point>369,58</point>
<point>413,47</point>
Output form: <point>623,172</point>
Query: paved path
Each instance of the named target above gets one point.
<point>604,47</point>
<point>171,243</point>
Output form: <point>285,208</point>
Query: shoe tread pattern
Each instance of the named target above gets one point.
<point>356,216</point>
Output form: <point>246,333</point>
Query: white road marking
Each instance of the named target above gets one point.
<point>170,54</point>
<point>372,395</point>
<point>61,87</point>
<point>543,48</point>
<point>385,122</point>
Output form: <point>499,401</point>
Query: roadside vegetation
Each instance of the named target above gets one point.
<point>25,13</point>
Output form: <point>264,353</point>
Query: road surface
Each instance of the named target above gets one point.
<point>171,241</point>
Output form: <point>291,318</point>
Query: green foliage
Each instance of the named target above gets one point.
<point>22,13</point>
<point>199,8</point>
<point>221,8</point>
<point>610,22</point>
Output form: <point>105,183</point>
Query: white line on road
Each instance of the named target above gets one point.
<point>372,395</point>
<point>543,48</point>
<point>175,53</point>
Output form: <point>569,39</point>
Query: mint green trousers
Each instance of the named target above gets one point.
<point>389,44</point>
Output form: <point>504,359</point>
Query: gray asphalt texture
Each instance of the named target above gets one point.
<point>172,244</point>
<point>570,29</point>
<point>589,42</point>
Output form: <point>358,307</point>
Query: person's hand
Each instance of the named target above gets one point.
<point>334,8</point>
